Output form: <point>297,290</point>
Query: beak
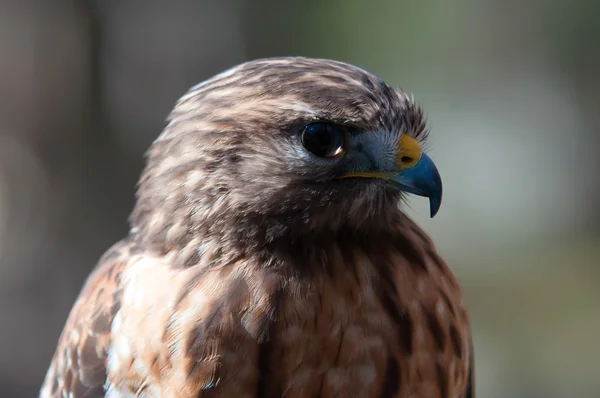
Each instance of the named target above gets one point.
<point>417,173</point>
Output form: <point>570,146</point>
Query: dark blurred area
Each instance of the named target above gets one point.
<point>512,91</point>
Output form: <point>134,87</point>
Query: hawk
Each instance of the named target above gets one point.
<point>269,256</point>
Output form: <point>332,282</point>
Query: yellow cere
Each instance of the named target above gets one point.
<point>409,152</point>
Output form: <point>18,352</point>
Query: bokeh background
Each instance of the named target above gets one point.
<point>511,88</point>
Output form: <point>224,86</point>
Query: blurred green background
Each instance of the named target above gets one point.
<point>511,88</point>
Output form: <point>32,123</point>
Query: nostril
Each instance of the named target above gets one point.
<point>406,159</point>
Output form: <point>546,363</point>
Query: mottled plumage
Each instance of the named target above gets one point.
<point>255,269</point>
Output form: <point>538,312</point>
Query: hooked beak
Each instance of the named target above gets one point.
<point>414,173</point>
<point>417,173</point>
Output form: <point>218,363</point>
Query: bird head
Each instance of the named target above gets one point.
<point>285,144</point>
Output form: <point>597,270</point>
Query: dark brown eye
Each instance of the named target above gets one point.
<point>325,140</point>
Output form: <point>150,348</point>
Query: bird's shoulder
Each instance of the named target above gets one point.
<point>142,324</point>
<point>78,367</point>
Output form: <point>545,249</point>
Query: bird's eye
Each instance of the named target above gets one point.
<point>325,140</point>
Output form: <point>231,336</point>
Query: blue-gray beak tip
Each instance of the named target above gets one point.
<point>423,179</point>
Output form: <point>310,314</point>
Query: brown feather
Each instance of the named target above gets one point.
<point>78,367</point>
